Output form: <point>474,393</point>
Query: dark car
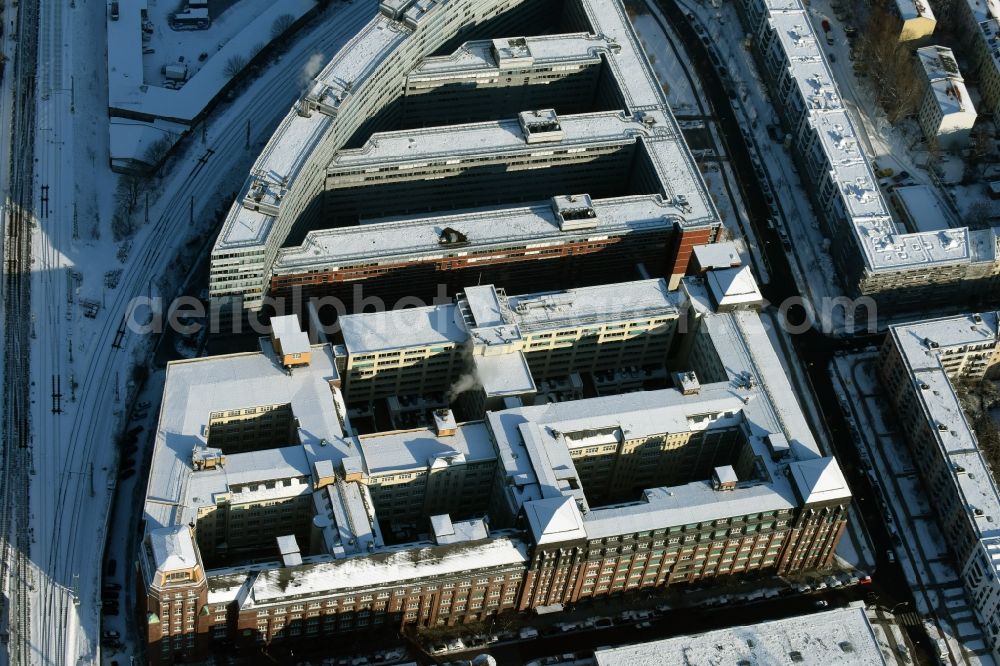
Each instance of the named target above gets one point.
<point>112,567</point>
<point>127,474</point>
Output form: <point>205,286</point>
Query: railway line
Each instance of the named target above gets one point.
<point>15,531</point>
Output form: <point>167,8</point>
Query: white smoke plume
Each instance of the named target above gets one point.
<point>311,69</point>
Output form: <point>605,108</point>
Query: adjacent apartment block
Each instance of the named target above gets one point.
<point>916,18</point>
<point>559,116</point>
<point>876,256</point>
<point>919,366</point>
<point>268,519</point>
<point>946,113</point>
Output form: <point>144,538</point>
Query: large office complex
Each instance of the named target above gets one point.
<point>508,345</point>
<point>919,365</point>
<point>270,519</point>
<point>566,146</point>
<point>900,268</point>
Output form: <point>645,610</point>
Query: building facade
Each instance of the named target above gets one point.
<point>533,505</point>
<point>316,173</point>
<point>874,255</point>
<point>918,368</point>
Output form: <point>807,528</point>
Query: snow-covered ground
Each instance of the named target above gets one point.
<point>687,101</point>
<point>92,359</point>
<point>919,546</point>
<point>811,263</point>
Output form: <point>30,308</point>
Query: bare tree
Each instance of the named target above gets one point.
<point>235,65</point>
<point>978,216</point>
<point>281,24</point>
<point>893,70</point>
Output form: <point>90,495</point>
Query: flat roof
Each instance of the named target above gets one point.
<point>475,57</point>
<point>606,303</point>
<point>195,389</point>
<point>952,97</point>
<point>938,62</point>
<point>406,450</point>
<point>920,345</point>
<point>504,374</point>
<point>396,240</point>
<point>923,208</point>
<point>428,326</point>
<point>841,636</point>
<point>883,248</point>
<point>408,565</point>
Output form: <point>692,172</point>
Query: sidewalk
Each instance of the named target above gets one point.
<point>919,545</point>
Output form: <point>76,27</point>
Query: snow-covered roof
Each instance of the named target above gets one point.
<point>938,62</point>
<point>478,58</point>
<point>606,303</point>
<point>819,480</point>
<point>923,208</point>
<point>912,9</point>
<point>401,240</point>
<point>448,532</point>
<point>554,519</point>
<point>734,287</point>
<point>173,548</point>
<point>289,334</point>
<point>717,255</point>
<point>882,247</point>
<point>952,97</point>
<point>841,636</point>
<point>370,332</point>
<point>406,450</point>
<point>404,566</point>
<point>921,346</point>
<point>504,374</point>
<point>197,388</point>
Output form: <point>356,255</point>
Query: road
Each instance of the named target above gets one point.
<point>813,349</point>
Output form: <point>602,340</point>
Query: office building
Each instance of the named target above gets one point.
<point>919,365</point>
<point>266,529</point>
<point>507,345</point>
<point>568,240</point>
<point>355,148</point>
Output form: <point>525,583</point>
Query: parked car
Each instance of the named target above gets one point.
<point>127,474</point>
<point>112,567</point>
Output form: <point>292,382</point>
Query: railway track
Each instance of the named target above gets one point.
<point>15,531</point>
